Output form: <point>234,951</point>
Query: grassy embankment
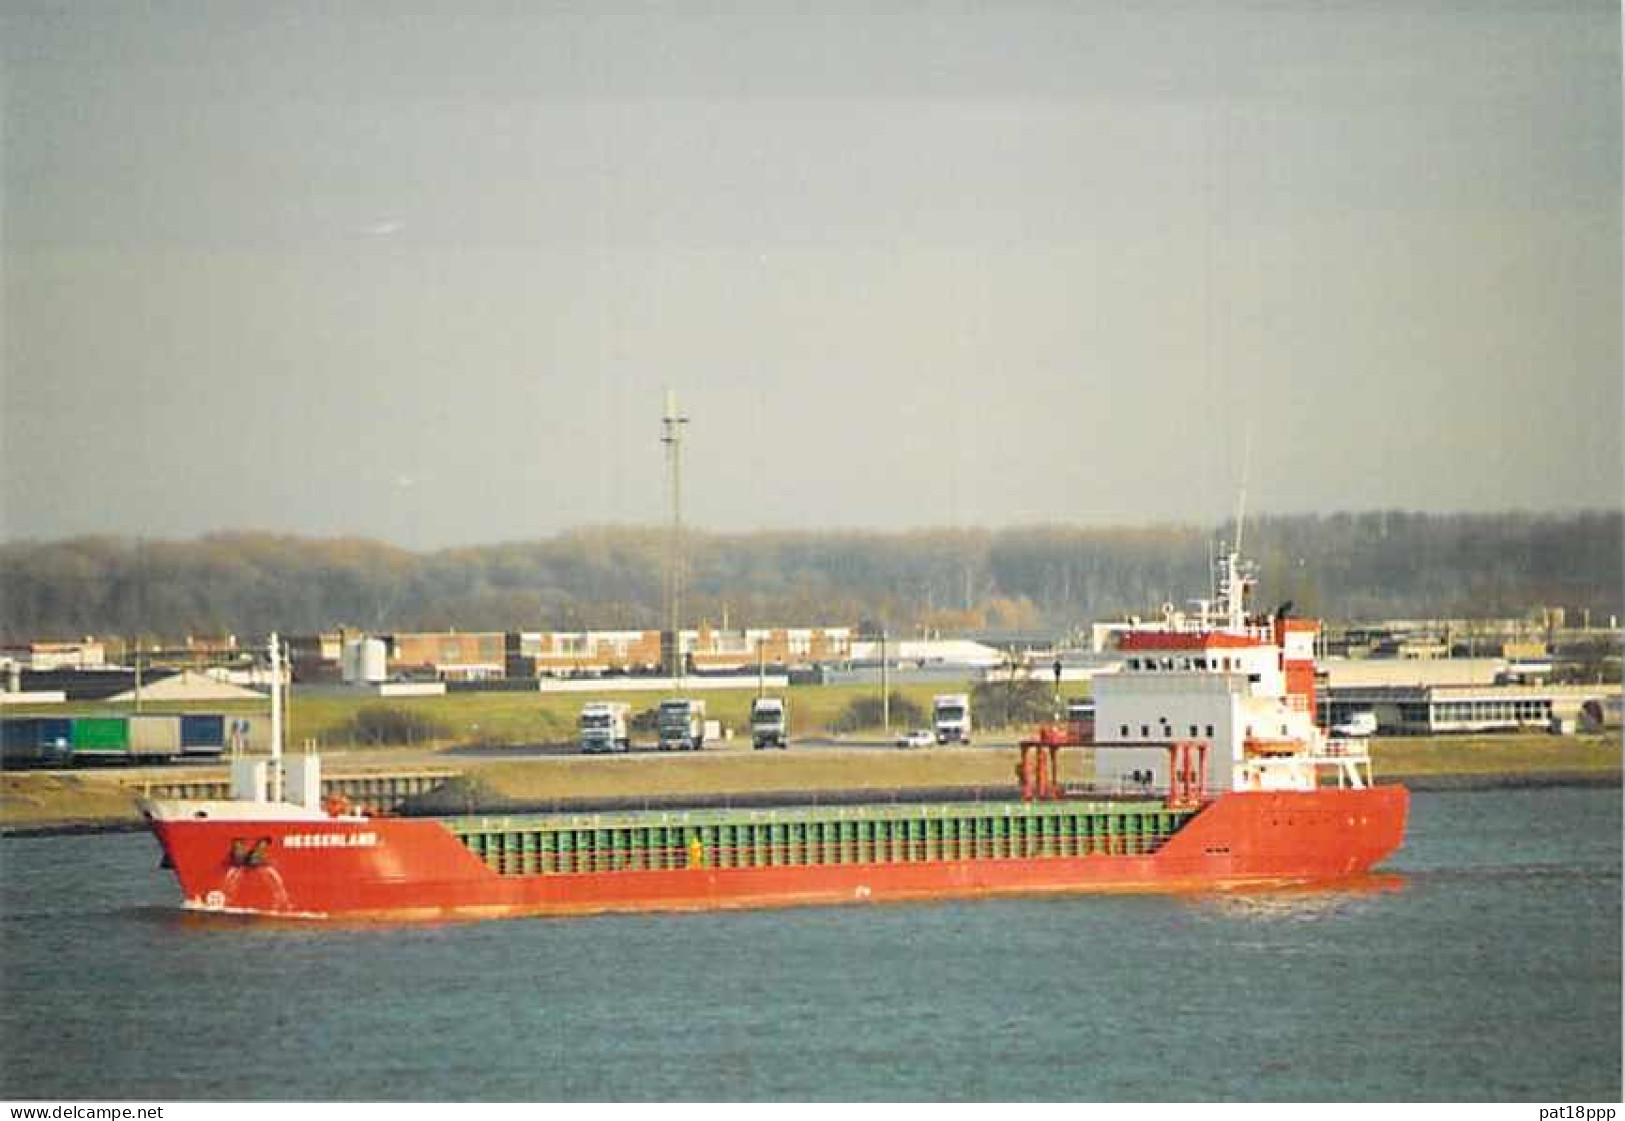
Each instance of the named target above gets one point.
<point>34,799</point>
<point>101,796</point>
<point>1512,755</point>
<point>498,784</point>
<point>519,718</point>
<point>1425,763</point>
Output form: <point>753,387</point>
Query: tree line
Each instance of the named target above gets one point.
<point>1348,566</point>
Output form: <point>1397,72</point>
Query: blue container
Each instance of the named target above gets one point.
<point>19,738</point>
<point>34,739</point>
<point>203,734</point>
<point>55,736</point>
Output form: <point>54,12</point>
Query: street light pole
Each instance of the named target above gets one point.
<point>885,691</point>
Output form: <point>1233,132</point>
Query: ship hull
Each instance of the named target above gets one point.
<point>417,869</point>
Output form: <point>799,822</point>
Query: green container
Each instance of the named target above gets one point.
<point>101,735</point>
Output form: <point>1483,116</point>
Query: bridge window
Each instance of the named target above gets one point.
<point>1145,731</point>
<point>1210,731</point>
<point>1125,731</point>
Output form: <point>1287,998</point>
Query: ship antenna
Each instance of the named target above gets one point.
<point>1234,599</point>
<point>1212,582</point>
<point>1241,501</point>
<point>275,775</point>
<point>672,436</point>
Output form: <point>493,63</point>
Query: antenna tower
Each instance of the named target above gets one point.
<point>671,434</point>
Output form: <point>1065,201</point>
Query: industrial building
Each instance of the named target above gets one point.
<point>1427,696</point>
<point>926,653</point>
<point>117,684</point>
<point>566,653</point>
<point>1376,673</point>
<point>703,650</point>
<point>472,656</point>
<point>44,656</point>
<point>1440,709</point>
<point>448,655</point>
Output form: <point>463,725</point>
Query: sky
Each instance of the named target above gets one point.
<point>423,273</point>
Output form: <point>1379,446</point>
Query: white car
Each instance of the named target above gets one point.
<point>919,737</point>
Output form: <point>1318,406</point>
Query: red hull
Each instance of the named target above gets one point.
<point>416,869</point>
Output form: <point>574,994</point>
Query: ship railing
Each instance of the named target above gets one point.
<point>1198,623</point>
<point>1349,759</point>
<point>766,800</point>
<point>1350,763</point>
<point>1347,748</point>
<point>1125,789</point>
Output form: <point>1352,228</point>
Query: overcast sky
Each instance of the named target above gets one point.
<point>422,272</point>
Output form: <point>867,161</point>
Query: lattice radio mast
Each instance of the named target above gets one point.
<point>671,434</point>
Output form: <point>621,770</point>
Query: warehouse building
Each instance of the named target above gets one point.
<point>1443,709</point>
<point>42,657</point>
<point>448,655</point>
<point>703,650</point>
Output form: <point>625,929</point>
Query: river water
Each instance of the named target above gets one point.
<point>1486,966</point>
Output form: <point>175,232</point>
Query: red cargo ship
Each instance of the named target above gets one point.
<point>1210,773</point>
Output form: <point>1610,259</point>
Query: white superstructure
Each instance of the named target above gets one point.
<point>1240,685</point>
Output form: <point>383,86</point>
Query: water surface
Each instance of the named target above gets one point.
<point>1486,967</point>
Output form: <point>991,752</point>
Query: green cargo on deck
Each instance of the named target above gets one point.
<point>101,735</point>
<point>820,835</point>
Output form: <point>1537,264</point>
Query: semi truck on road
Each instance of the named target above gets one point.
<point>680,724</point>
<point>769,723</point>
<point>604,727</point>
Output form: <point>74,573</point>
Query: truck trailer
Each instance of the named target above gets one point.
<point>604,727</point>
<point>769,723</point>
<point>680,724</point>
<point>950,716</point>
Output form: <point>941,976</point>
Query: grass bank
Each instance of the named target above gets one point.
<point>105,797</point>
<point>1507,755</point>
<point>38,800</point>
<point>498,784</point>
<point>516,718</point>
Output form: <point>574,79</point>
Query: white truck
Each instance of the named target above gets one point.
<point>769,723</point>
<point>604,726</point>
<point>950,717</point>
<point>1358,726</point>
<point>1080,711</point>
<point>680,725</point>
